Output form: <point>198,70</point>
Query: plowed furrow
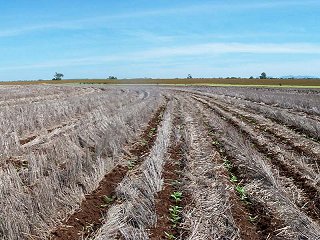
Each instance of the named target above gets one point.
<point>301,150</point>
<point>279,160</point>
<point>300,124</point>
<point>173,182</point>
<point>272,106</point>
<point>279,216</point>
<point>297,141</point>
<point>130,217</point>
<point>275,107</point>
<point>88,218</point>
<point>216,210</point>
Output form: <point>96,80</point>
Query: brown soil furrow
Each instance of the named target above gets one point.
<point>289,110</point>
<point>27,140</point>
<point>260,185</point>
<point>135,213</point>
<point>300,113</point>
<point>300,129</point>
<point>296,141</point>
<point>89,217</point>
<point>172,177</point>
<point>312,207</point>
<point>287,143</point>
<point>235,220</point>
<point>264,223</point>
<point>163,201</point>
<point>243,211</point>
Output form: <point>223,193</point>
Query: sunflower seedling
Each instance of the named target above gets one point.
<point>170,236</point>
<point>176,196</point>
<point>175,219</point>
<point>131,164</point>
<point>175,210</point>
<point>215,143</point>
<point>143,142</point>
<point>108,200</point>
<point>241,192</point>
<point>253,219</point>
<point>152,132</point>
<point>227,164</point>
<point>233,178</point>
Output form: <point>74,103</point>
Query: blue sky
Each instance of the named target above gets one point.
<point>159,38</point>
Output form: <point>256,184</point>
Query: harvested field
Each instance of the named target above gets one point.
<point>148,162</point>
<point>304,83</point>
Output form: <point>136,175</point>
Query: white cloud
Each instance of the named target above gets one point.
<point>221,48</point>
<point>165,54</point>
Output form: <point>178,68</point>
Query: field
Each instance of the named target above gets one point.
<point>159,162</point>
<point>301,83</point>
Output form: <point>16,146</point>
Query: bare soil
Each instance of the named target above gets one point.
<point>163,200</point>
<point>88,218</point>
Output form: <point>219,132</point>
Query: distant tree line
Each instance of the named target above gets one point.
<point>263,75</point>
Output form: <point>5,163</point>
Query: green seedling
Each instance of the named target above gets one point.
<point>221,150</point>
<point>233,178</point>
<point>108,200</point>
<point>176,196</point>
<point>175,210</point>
<point>175,219</point>
<point>143,142</point>
<point>215,143</point>
<point>170,236</point>
<point>131,164</point>
<point>211,132</point>
<point>241,192</point>
<point>227,164</point>
<point>152,132</point>
<point>253,219</point>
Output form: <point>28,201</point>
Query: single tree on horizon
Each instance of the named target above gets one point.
<point>58,76</point>
<point>263,75</point>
